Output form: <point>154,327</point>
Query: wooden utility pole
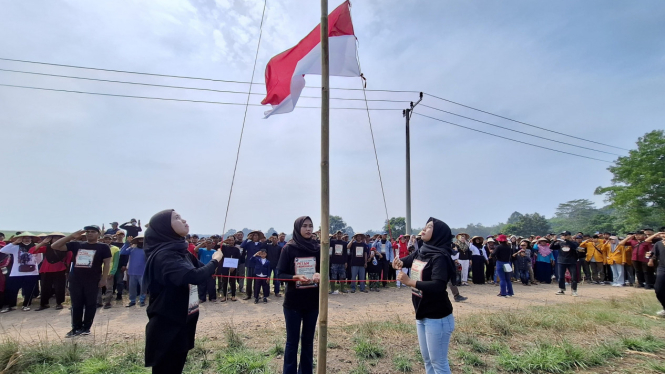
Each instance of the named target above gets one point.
<point>407,113</point>
<point>325,192</point>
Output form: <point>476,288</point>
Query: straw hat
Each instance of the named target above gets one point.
<point>261,235</point>
<point>462,234</point>
<point>28,234</point>
<point>477,237</point>
<point>56,233</point>
<point>136,239</point>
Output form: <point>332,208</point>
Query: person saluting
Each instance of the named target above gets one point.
<point>171,277</point>
<point>431,269</point>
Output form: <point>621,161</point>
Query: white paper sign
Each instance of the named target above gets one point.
<point>193,299</point>
<point>416,274</point>
<point>359,251</point>
<point>305,266</point>
<point>230,263</point>
<point>338,249</point>
<point>84,258</point>
<point>383,248</point>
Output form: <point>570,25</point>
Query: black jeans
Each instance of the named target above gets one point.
<point>572,268</point>
<point>249,284</point>
<point>387,269</point>
<point>173,363</point>
<point>83,294</point>
<point>649,276</point>
<point>53,283</point>
<point>660,285</point>
<point>119,282</point>
<point>26,284</point>
<point>208,288</point>
<point>640,271</point>
<point>294,319</point>
<point>226,283</point>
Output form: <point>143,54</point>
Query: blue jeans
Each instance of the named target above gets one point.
<point>434,337</point>
<point>617,273</point>
<point>504,279</point>
<point>135,282</point>
<point>358,272</point>
<point>524,275</point>
<point>294,319</point>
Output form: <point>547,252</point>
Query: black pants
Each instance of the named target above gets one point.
<point>261,284</point>
<point>119,282</point>
<point>26,284</point>
<point>208,288</point>
<point>53,283</point>
<point>226,282</point>
<point>294,320</point>
<point>83,294</point>
<point>640,272</point>
<point>386,268</point>
<point>572,268</point>
<point>660,285</point>
<point>250,288</point>
<point>173,363</point>
<point>489,272</point>
<point>649,276</point>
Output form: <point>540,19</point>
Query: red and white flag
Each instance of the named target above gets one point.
<point>285,72</point>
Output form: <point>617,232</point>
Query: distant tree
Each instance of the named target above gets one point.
<point>478,229</point>
<point>528,224</point>
<point>270,231</point>
<point>515,217</point>
<point>397,226</point>
<point>348,230</point>
<point>638,185</point>
<point>336,223</point>
<point>228,233</point>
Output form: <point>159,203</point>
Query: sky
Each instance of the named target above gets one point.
<point>593,70</point>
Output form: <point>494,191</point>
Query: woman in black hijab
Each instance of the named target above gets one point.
<point>431,269</point>
<point>171,278</point>
<point>300,261</point>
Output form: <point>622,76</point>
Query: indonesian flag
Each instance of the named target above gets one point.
<point>285,73</point>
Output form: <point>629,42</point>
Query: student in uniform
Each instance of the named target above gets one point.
<point>171,278</point>
<point>339,258</point>
<point>358,256</point>
<point>261,267</point>
<point>300,261</point>
<point>615,259</point>
<point>431,269</point>
<point>87,275</point>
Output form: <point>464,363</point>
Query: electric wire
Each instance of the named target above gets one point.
<point>511,139</point>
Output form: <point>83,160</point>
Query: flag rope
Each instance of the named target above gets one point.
<point>244,118</point>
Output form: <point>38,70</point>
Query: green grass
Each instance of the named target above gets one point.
<point>368,349</point>
<point>277,349</point>
<point>360,369</point>
<point>643,344</point>
<point>402,364</point>
<point>243,361</point>
<point>470,358</point>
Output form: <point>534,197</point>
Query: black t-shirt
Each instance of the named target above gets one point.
<point>371,268</point>
<point>87,260</point>
<point>502,253</point>
<point>298,297</point>
<point>340,254</point>
<point>228,252</point>
<point>358,254</point>
<point>568,253</point>
<point>432,282</point>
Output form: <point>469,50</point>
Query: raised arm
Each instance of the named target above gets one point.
<point>61,244</point>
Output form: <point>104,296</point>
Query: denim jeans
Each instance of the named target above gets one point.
<point>504,279</point>
<point>337,272</point>
<point>294,319</point>
<point>275,283</point>
<point>617,273</point>
<point>434,337</point>
<point>572,268</point>
<point>135,282</point>
<point>358,272</point>
<point>524,275</point>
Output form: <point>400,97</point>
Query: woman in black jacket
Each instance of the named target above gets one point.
<point>299,261</point>
<point>431,269</point>
<point>171,278</point>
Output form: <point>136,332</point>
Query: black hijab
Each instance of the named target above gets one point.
<point>159,237</point>
<point>300,241</point>
<point>442,238</point>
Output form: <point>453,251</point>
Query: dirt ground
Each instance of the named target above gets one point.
<point>121,323</point>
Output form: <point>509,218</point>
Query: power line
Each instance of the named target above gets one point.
<point>524,123</point>
<point>513,140</point>
<point>177,76</point>
<point>184,88</point>
<point>517,131</point>
<point>169,99</point>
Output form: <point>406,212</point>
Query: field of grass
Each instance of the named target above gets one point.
<point>613,336</point>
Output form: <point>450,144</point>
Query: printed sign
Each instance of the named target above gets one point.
<point>383,248</point>
<point>84,258</point>
<point>565,249</point>
<point>230,263</point>
<point>193,299</point>
<point>417,275</point>
<point>338,249</point>
<point>360,251</point>
<point>305,266</point>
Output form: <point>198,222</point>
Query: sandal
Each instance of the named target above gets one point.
<point>234,299</point>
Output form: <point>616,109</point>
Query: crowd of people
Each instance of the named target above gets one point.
<point>95,265</point>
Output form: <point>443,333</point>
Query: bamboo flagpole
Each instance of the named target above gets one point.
<point>325,192</point>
